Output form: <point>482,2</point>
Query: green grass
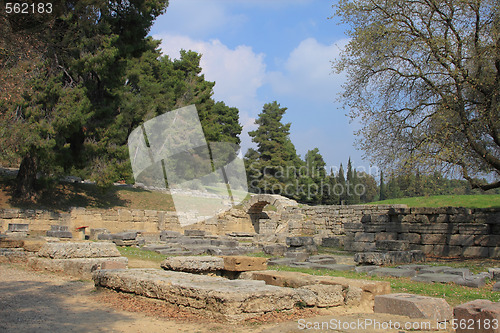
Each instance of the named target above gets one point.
<point>452,293</point>
<point>469,201</point>
<point>138,253</point>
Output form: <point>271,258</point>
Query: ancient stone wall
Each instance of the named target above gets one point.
<point>436,231</point>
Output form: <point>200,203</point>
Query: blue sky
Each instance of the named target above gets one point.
<point>259,51</point>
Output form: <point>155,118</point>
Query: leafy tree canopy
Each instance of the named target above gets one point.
<point>424,80</point>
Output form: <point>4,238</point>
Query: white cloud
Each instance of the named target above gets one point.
<point>308,71</point>
<point>237,73</point>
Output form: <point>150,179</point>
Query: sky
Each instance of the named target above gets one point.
<point>260,51</point>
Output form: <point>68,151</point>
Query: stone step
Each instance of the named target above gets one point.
<point>232,300</point>
<point>78,267</point>
<point>68,250</point>
<point>414,306</point>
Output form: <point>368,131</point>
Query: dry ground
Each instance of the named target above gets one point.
<point>45,302</point>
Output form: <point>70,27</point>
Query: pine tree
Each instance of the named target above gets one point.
<point>277,161</point>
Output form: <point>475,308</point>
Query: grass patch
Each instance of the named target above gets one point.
<point>469,201</point>
<point>452,293</point>
<point>138,253</point>
<point>63,196</point>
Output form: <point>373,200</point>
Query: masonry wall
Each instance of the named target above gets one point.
<point>436,231</point>
<point>117,220</point>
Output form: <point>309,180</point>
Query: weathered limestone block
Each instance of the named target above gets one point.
<point>475,251</point>
<point>392,245</point>
<point>232,300</point>
<point>33,245</point>
<point>244,264</point>
<point>8,243</point>
<point>390,257</point>
<point>299,241</point>
<point>478,316</point>
<point>13,255</point>
<point>95,232</point>
<point>67,250</point>
<point>364,237</point>
<point>195,233</point>
<point>412,238</point>
<point>274,249</point>
<point>18,227</point>
<point>414,306</point>
<point>326,295</point>
<point>381,236</point>
<point>193,264</point>
<point>79,267</point>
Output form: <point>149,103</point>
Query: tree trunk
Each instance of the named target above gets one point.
<point>26,177</point>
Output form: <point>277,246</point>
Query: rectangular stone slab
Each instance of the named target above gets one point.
<point>414,306</point>
<point>475,314</point>
<point>79,267</point>
<point>244,264</point>
<point>193,264</point>
<point>232,300</point>
<point>69,250</point>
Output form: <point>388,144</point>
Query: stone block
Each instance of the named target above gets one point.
<point>381,236</point>
<point>496,286</point>
<point>275,249</point>
<point>221,251</point>
<point>392,245</point>
<point>412,238</point>
<point>167,234</point>
<point>67,250</point>
<point>326,295</point>
<point>495,273</point>
<point>18,227</point>
<point>394,272</point>
<point>322,259</point>
<point>120,242</point>
<point>299,241</point>
<point>434,239</point>
<point>280,261</point>
<point>463,272</point>
<point>8,243</point>
<point>475,314</point>
<point>59,228</point>
<point>104,236</point>
<point>494,252</point>
<point>243,264</point>
<point>487,240</point>
<point>110,264</point>
<point>79,267</point>
<point>364,237</point>
<point>414,306</point>
<point>446,250</point>
<point>335,242</point>
<point>437,277</point>
<point>127,235</point>
<point>224,242</point>
<point>195,233</point>
<point>473,229</point>
<point>476,281</point>
<point>475,252</point>
<point>360,247</point>
<point>13,255</point>
<point>434,269</point>
<point>389,258</point>
<point>462,240</point>
<point>435,228</point>
<point>59,234</point>
<point>191,264</point>
<point>33,245</point>
<point>296,255</point>
<point>95,232</point>
<point>231,300</point>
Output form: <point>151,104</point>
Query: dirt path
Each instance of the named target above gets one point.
<point>45,302</point>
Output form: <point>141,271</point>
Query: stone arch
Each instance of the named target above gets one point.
<point>255,205</point>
